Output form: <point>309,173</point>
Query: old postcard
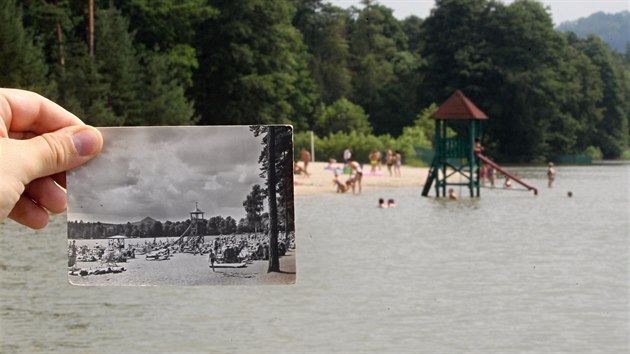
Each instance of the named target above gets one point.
<point>184,206</point>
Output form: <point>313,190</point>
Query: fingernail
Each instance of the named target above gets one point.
<point>85,142</point>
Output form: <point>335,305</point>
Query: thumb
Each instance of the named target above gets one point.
<point>58,151</point>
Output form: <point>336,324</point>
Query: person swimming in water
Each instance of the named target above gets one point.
<point>381,203</point>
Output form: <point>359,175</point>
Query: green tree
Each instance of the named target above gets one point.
<point>583,92</point>
<point>162,95</point>
<point>253,67</point>
<point>454,48</point>
<point>398,101</point>
<point>120,71</point>
<point>22,61</point>
<point>170,27</point>
<point>342,116</point>
<point>84,90</point>
<point>612,131</point>
<point>376,38</point>
<point>525,51</point>
<point>323,27</point>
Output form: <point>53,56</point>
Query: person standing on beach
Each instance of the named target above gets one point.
<point>398,158</point>
<point>389,160</point>
<point>305,157</point>
<point>551,174</point>
<point>357,171</point>
<point>212,258</point>
<point>347,155</point>
<point>373,157</point>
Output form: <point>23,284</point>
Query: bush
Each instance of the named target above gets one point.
<point>594,152</point>
<point>342,116</point>
<point>332,145</point>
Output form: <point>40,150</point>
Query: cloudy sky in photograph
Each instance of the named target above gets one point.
<point>162,171</point>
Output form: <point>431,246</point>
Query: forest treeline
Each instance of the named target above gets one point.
<point>216,225</point>
<point>323,68</point>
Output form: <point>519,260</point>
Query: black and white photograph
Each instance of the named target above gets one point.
<point>184,206</point>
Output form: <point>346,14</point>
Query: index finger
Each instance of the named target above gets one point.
<point>25,111</point>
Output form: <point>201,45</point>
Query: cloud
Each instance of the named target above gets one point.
<point>162,171</point>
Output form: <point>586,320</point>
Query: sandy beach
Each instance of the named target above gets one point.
<point>321,179</point>
<point>190,270</point>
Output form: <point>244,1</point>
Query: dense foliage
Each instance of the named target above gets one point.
<point>344,73</point>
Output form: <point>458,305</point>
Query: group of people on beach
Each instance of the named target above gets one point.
<point>354,180</point>
<point>393,161</point>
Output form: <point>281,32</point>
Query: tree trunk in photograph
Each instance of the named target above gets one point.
<point>274,261</point>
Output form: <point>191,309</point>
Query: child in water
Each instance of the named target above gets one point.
<point>381,203</point>
<point>551,174</point>
<point>451,194</point>
<point>391,203</point>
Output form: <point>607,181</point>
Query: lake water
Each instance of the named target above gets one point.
<point>505,273</point>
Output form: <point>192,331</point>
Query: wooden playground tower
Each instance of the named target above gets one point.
<point>457,126</point>
<point>196,217</point>
<point>193,233</point>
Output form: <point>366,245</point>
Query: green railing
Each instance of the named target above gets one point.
<point>456,147</point>
<point>572,159</point>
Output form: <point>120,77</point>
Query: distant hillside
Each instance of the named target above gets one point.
<point>148,220</point>
<point>614,29</point>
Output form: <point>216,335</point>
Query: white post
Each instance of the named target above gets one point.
<point>312,147</point>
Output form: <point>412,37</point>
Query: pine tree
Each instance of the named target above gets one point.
<point>163,98</point>
<point>121,71</point>
<point>22,63</point>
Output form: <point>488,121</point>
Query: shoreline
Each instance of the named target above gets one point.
<point>320,180</point>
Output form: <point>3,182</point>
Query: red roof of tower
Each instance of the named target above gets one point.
<point>459,106</point>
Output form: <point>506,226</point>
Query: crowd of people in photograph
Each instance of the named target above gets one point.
<point>222,249</point>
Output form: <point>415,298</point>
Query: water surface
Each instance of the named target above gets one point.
<point>505,273</point>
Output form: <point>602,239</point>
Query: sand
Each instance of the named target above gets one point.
<point>189,270</point>
<point>320,179</point>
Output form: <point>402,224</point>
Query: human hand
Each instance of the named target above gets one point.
<point>39,141</point>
